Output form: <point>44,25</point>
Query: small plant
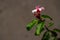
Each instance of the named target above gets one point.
<point>40,21</point>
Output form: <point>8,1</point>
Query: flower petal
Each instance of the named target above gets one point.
<point>35,10</point>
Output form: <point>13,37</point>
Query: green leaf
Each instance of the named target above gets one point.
<point>31,24</point>
<point>46,16</point>
<point>39,28</point>
<point>53,38</point>
<point>56,30</point>
<point>53,34</point>
<point>50,24</point>
<point>49,35</point>
<point>46,36</point>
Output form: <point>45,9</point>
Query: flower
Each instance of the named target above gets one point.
<point>38,9</point>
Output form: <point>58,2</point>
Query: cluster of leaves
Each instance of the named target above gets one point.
<point>41,26</point>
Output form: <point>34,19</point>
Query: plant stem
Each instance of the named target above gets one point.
<point>46,28</point>
<point>45,25</point>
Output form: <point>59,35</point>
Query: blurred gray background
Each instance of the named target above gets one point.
<point>15,14</point>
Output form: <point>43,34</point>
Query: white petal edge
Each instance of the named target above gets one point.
<point>35,10</point>
<point>42,8</point>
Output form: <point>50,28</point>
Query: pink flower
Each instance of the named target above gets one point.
<point>38,9</point>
